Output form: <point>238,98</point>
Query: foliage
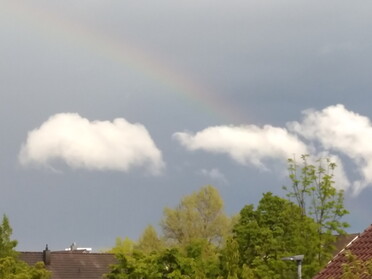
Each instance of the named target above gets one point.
<point>355,268</point>
<point>132,266</point>
<point>150,241</point>
<point>274,230</point>
<point>167,263</point>
<point>123,246</point>
<point>192,232</point>
<point>10,266</point>
<point>198,216</point>
<point>6,244</point>
<point>205,258</point>
<point>230,260</point>
<point>200,241</point>
<point>314,191</point>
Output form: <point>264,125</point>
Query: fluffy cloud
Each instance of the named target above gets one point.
<point>338,129</point>
<point>245,144</point>
<point>97,145</point>
<point>333,132</point>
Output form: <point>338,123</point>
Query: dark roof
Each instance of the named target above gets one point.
<point>73,264</point>
<point>360,246</point>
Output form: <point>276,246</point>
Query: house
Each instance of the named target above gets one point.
<point>72,263</point>
<point>342,241</point>
<point>360,246</point>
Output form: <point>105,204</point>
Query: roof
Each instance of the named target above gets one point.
<point>342,241</point>
<point>360,246</point>
<point>73,264</point>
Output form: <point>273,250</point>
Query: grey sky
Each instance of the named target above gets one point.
<point>176,75</point>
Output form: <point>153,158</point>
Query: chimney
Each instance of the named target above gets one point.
<point>46,256</point>
<point>73,247</point>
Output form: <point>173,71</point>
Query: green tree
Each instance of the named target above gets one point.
<point>167,263</point>
<point>192,233</point>
<point>276,229</point>
<point>312,188</point>
<point>198,216</point>
<point>230,260</point>
<point>150,241</point>
<point>204,257</point>
<point>134,266</point>
<point>6,244</point>
<point>10,266</point>
<point>123,246</point>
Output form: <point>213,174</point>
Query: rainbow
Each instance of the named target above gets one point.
<point>54,27</point>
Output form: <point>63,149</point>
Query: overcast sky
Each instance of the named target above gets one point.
<point>112,110</point>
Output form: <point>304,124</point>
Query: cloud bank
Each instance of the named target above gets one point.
<point>244,144</point>
<point>94,145</point>
<point>333,132</point>
<point>340,130</point>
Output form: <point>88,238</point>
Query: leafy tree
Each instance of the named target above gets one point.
<point>247,273</point>
<point>198,216</point>
<point>195,260</point>
<point>6,244</point>
<point>150,241</point>
<point>136,265</point>
<point>230,260</point>
<point>123,246</point>
<point>314,191</point>
<point>276,229</point>
<point>171,264</point>
<point>192,233</point>
<point>10,266</point>
<point>204,257</point>
<point>167,263</point>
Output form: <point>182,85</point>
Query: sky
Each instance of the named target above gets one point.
<point>111,111</point>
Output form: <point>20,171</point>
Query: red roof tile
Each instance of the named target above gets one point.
<point>361,247</point>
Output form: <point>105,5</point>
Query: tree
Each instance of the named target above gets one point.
<point>198,216</point>
<point>276,229</point>
<point>150,241</point>
<point>123,246</point>
<point>204,257</point>
<point>10,266</point>
<point>136,265</point>
<point>176,262</point>
<point>230,260</point>
<point>194,229</point>
<point>6,244</point>
<point>314,191</point>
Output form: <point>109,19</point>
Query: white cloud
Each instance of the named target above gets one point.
<point>244,144</point>
<point>214,174</point>
<point>95,145</point>
<point>338,129</point>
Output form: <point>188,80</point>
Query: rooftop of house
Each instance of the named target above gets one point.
<point>360,246</point>
<point>72,264</point>
<point>342,241</point>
